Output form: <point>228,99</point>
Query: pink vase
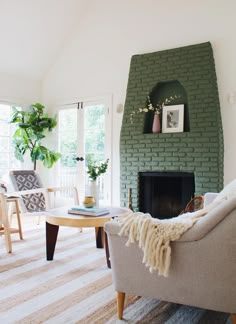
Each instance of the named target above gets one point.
<point>156,126</point>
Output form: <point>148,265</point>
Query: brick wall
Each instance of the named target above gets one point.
<point>199,150</point>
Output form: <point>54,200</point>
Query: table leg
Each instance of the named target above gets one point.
<point>51,240</point>
<point>101,242</point>
<point>107,251</point>
<point>99,232</point>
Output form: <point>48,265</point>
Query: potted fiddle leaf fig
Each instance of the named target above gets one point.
<point>32,127</point>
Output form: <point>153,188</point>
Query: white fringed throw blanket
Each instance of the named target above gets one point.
<point>154,236</point>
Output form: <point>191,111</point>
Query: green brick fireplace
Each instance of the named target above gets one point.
<point>190,72</point>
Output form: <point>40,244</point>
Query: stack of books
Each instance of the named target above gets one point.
<point>88,211</point>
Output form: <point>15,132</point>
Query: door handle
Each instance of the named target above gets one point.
<point>79,159</point>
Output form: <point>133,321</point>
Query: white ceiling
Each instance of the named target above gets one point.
<point>33,32</point>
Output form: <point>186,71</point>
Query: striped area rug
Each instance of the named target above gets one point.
<point>76,287</point>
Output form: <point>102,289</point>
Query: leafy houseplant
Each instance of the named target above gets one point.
<point>32,128</point>
<point>95,169</point>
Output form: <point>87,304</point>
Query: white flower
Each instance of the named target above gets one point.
<point>157,108</point>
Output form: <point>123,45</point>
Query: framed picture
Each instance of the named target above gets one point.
<point>173,119</point>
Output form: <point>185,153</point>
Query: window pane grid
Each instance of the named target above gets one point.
<point>8,161</point>
<point>67,138</point>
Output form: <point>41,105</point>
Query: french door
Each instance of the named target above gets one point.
<point>84,133</point>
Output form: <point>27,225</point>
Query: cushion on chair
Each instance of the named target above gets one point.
<point>27,180</point>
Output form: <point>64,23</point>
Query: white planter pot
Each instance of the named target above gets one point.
<point>94,191</point>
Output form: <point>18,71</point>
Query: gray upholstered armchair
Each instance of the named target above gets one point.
<point>203,264</point>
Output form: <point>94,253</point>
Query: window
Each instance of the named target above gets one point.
<point>8,161</point>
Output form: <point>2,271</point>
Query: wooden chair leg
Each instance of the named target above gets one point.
<point>5,223</point>
<point>7,235</point>
<point>8,245</point>
<point>233,317</point>
<point>18,219</point>
<point>120,304</point>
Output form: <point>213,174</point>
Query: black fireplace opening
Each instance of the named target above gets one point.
<point>165,194</point>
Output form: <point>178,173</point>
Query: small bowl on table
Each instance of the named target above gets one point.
<point>89,202</point>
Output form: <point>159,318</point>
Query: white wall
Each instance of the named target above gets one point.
<point>96,59</point>
<point>19,90</point>
<point>22,91</point>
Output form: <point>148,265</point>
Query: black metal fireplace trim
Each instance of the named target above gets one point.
<point>166,173</point>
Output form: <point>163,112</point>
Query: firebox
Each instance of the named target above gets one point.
<point>165,194</point>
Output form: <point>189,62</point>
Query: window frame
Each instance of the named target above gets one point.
<point>4,172</point>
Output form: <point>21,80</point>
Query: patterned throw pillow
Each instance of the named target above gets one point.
<point>27,180</point>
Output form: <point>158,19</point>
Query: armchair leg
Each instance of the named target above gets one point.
<point>233,317</point>
<point>120,303</point>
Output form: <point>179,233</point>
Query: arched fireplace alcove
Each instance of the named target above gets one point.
<point>158,94</point>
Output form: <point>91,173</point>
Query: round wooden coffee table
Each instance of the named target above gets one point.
<point>60,217</point>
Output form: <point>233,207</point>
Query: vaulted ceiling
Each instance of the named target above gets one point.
<point>33,32</point>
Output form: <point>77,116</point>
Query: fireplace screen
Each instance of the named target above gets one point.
<point>165,194</point>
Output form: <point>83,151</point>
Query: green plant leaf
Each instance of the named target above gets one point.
<point>51,158</point>
<point>24,125</point>
<point>33,126</point>
<point>95,169</point>
<point>38,106</point>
